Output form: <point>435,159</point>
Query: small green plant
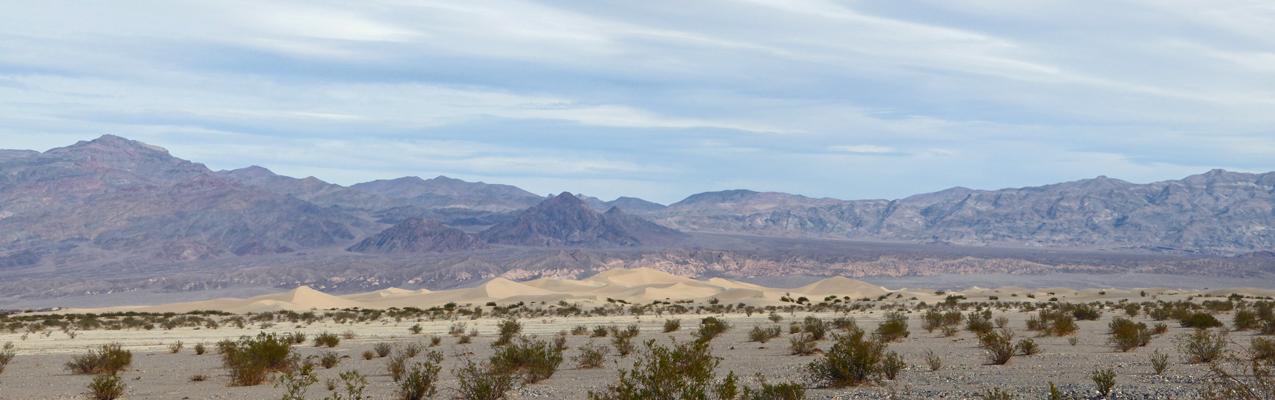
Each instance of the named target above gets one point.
<point>591,356</point>
<point>297,382</point>
<point>560,343</point>
<point>200,349</point>
<point>354,383</point>
<point>892,364</point>
<point>684,371</point>
<point>1127,335</point>
<point>1104,380</point>
<point>464,339</point>
<point>773,317</point>
<point>109,359</point>
<point>763,335</point>
<point>457,329</point>
<point>994,394</point>
<point>507,330</point>
<point>802,345</point>
<point>933,361</point>
<point>710,328</point>
<point>369,354</point>
<point>1027,347</point>
<point>1159,362</point>
<point>420,382</point>
<point>329,359</point>
<point>326,339</point>
<point>1054,393</point>
<point>999,346</point>
<point>895,327</point>
<point>434,341</point>
<point>672,325</point>
<point>815,327</point>
<point>106,387</point>
<point>534,359</point>
<point>396,366</point>
<point>600,331</point>
<point>1201,346</point>
<point>581,330</point>
<point>1073,340</point>
<point>412,349</point>
<point>250,359</point>
<point>199,377</point>
<point>483,381</point>
<point>415,329</point>
<point>382,349</point>
<point>851,361</point>
<point>175,347</point>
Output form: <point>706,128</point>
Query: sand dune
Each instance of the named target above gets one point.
<point>635,286</point>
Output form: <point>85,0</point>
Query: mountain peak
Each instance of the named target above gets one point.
<point>419,235</point>
<point>565,220</point>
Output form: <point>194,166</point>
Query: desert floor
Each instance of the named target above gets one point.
<point>38,372</point>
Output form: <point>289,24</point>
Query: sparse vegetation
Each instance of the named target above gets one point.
<point>507,330</point>
<point>108,359</point>
<point>534,359</point>
<point>851,361</point>
<point>591,356</point>
<point>1104,380</point>
<point>932,360</point>
<point>895,327</point>
<point>383,349</point>
<point>250,360</point>
<point>106,387</point>
<point>1159,362</point>
<point>1202,346</point>
<point>672,325</point>
<point>710,328</point>
<point>326,339</point>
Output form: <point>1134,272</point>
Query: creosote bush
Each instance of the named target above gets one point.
<point>507,330</point>
<point>802,345</point>
<point>1127,335</point>
<point>484,381</point>
<point>329,359</point>
<point>1027,347</point>
<point>383,349</point>
<point>591,356</point>
<point>710,328</point>
<point>895,327</point>
<point>109,359</point>
<point>1159,362</point>
<point>999,346</point>
<point>1201,346</point>
<point>851,361</point>
<point>763,335</point>
<point>106,387</point>
<point>933,361</point>
<point>672,325</point>
<point>686,371</point>
<point>250,359</point>
<point>1104,380</point>
<point>326,339</point>
<point>420,382</point>
<point>534,359</point>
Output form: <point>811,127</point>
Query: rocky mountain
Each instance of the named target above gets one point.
<point>444,192</point>
<point>418,235</point>
<point>740,200</point>
<point>566,221</point>
<point>1218,212</point>
<point>312,190</point>
<point>130,198</point>
<point>630,204</point>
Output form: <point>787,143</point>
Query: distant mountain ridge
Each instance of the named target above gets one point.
<point>565,220</point>
<point>444,192</point>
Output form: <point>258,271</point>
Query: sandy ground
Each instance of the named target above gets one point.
<point>38,373</point>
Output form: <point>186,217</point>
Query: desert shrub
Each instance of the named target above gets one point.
<point>933,361</point>
<point>623,345</point>
<point>851,361</point>
<point>415,329</point>
<point>1073,340</point>
<point>1104,380</point>
<point>507,330</point>
<point>1159,329</point>
<point>421,381</point>
<point>1199,320</point>
<point>591,356</point>
<point>1159,362</point>
<point>369,354</point>
<point>672,325</point>
<point>995,393</point>
<point>412,349</point>
<point>326,339</point>
<point>396,366</point>
<point>297,382</point>
<point>815,327</point>
<point>763,335</point>
<point>250,359</point>
<point>892,364</point>
<point>1053,323</point>
<point>106,387</point>
<point>794,329</point>
<point>354,382</point>
<point>175,347</point>
<point>382,349</point>
<point>348,335</point>
<point>684,371</point>
<point>1132,310</point>
<point>1245,320</point>
<point>1127,335</point>
<point>464,339</point>
<point>1085,312</point>
<point>767,391</point>
<point>999,346</point>
<point>600,331</point>
<point>710,328</point>
<point>199,377</point>
<point>1027,347</point>
<point>580,330</point>
<point>483,381</point>
<point>802,345</point>
<point>329,359</point>
<point>1201,346</point>
<point>534,359</point>
<point>978,323</point>
<point>298,337</point>
<point>895,327</point>
<point>6,356</point>
<point>773,317</point>
<point>434,341</point>
<point>1002,322</point>
<point>200,349</point>
<point>1238,379</point>
<point>560,343</point>
<point>1261,349</point>
<point>457,329</point>
<point>949,331</point>
<point>108,359</point>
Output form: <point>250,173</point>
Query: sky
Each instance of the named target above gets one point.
<point>657,99</point>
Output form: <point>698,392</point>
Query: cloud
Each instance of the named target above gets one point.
<point>658,98</point>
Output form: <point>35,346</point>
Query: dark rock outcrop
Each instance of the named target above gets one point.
<point>418,235</point>
<point>565,221</point>
<point>444,192</point>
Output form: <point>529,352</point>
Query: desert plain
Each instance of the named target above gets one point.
<point>550,308</point>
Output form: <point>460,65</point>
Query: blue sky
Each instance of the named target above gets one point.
<point>657,99</point>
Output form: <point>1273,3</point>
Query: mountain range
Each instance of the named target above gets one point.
<point>113,214</point>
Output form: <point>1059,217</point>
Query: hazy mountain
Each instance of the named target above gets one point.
<point>1218,211</point>
<point>312,189</point>
<point>740,200</point>
<point>444,192</point>
<point>565,221</point>
<point>628,204</point>
<point>417,235</point>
